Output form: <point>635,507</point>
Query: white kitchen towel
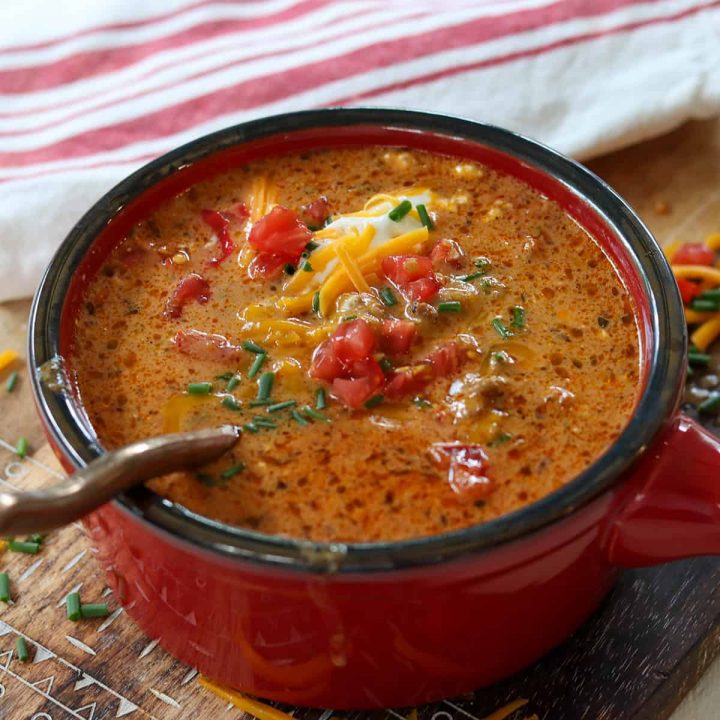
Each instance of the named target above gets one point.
<point>89,91</point>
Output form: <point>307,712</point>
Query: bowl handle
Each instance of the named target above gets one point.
<point>671,505</point>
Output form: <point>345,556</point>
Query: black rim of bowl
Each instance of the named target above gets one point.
<point>73,435</point>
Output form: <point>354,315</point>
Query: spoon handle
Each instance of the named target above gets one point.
<point>108,475</point>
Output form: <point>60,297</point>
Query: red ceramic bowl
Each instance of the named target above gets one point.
<point>400,623</point>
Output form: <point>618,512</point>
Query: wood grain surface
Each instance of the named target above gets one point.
<point>635,659</point>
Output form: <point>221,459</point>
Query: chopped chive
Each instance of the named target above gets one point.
<point>225,376</point>
<point>231,403</point>
<point>689,372</point>
<point>320,399</point>
<point>263,422</point>
<point>501,439</point>
<point>72,605</point>
<point>518,317</point>
<point>22,447</point>
<point>424,217</point>
<point>482,263</point>
<point>233,382</point>
<point>713,294</point>
<point>94,610</point>
<point>199,388</point>
<point>276,407</point>
<point>312,245</point>
<point>21,648</point>
<point>36,538</point>
<point>259,403</point>
<point>711,404</point>
<point>11,381</point>
<point>316,302</point>
<point>257,363</point>
<point>306,266</point>
<point>298,418</point>
<point>399,212</point>
<point>232,471</point>
<point>705,305</point>
<point>265,385</point>
<point>374,401</point>
<point>698,358</point>
<point>289,269</point>
<point>450,306</point>
<point>252,347</point>
<point>472,276</point>
<point>386,364</point>
<point>4,587</point>
<point>388,297</point>
<point>314,414</point>
<point>250,427</point>
<point>348,318</point>
<point>422,403</point>
<point>500,329</point>
<point>18,546</point>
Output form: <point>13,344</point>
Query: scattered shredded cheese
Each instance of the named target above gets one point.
<point>507,710</point>
<point>262,198</point>
<point>706,333</point>
<point>249,705</point>
<point>7,358</point>
<point>697,271</point>
<point>713,241</point>
<point>693,317</point>
<point>352,270</point>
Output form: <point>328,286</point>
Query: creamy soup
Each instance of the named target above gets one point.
<point>412,344</point>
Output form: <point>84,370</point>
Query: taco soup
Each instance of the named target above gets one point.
<point>411,343</point>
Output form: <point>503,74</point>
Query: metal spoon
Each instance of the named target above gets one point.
<point>108,475</point>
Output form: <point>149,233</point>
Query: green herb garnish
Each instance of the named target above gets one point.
<point>232,471</point>
<point>482,263</point>
<point>710,405</point>
<point>298,418</point>
<point>500,329</point>
<point>11,381</point>
<point>450,306</point>
<point>472,276</point>
<point>233,382</point>
<point>94,610</point>
<point>199,388</point>
<point>19,546</point>
<point>501,439</point>
<point>21,649</point>
<point>314,414</point>
<point>312,245</point>
<point>399,212</point>
<point>250,427</point>
<point>265,385</point>
<point>4,587</point>
<point>422,403</point>
<point>225,376</point>
<point>386,364</point>
<point>388,297</point>
<point>705,304</point>
<point>252,347</point>
<point>348,318</point>
<point>698,358</point>
<point>72,605</point>
<point>276,407</point>
<point>264,422</point>
<point>257,363</point>
<point>22,447</point>
<point>374,401</point>
<point>316,302</point>
<point>424,217</point>
<point>320,399</point>
<point>518,317</point>
<point>231,403</point>
<point>306,266</point>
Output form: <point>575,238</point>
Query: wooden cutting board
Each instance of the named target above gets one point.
<point>635,659</point>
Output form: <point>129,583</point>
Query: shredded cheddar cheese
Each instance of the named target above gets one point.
<point>249,705</point>
<point>697,271</point>
<point>693,317</point>
<point>507,710</point>
<point>706,333</point>
<point>7,358</point>
<point>262,197</point>
<point>713,241</point>
<point>352,270</point>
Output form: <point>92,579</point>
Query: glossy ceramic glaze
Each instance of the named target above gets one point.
<point>394,623</point>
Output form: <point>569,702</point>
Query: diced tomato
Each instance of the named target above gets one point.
<point>688,289</point>
<point>280,232</point>
<point>693,254</point>
<point>356,390</point>
<point>204,346</point>
<point>446,251</point>
<point>467,467</point>
<point>316,212</point>
<point>422,290</point>
<point>220,225</point>
<point>267,265</point>
<point>325,364</point>
<point>445,360</point>
<point>353,341</point>
<point>413,274</point>
<point>396,336</point>
<point>408,381</point>
<point>403,269</point>
<point>192,287</point>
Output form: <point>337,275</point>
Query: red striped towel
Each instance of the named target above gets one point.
<point>89,91</point>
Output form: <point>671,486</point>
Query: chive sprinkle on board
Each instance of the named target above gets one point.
<point>72,605</point>
<point>388,297</point>
<point>320,399</point>
<point>257,363</point>
<point>399,212</point>
<point>21,648</point>
<point>4,587</point>
<point>500,329</point>
<point>11,381</point>
<point>94,610</point>
<point>199,388</point>
<point>19,546</point>
<point>22,447</point>
<point>424,217</point>
<point>698,358</point>
<point>252,347</point>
